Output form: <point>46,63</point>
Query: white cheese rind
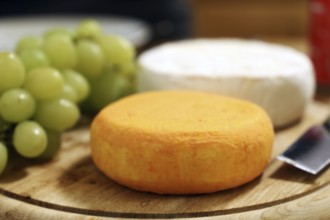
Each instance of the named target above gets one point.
<point>278,78</point>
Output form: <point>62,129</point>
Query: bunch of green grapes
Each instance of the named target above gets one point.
<point>49,79</point>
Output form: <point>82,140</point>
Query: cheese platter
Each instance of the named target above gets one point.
<point>71,187</point>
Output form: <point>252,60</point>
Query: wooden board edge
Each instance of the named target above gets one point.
<point>312,206</point>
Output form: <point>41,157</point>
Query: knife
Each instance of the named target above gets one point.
<point>311,152</point>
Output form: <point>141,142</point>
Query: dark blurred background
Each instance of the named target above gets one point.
<point>284,21</point>
<point>167,19</point>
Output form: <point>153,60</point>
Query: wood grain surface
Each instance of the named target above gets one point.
<point>71,187</point>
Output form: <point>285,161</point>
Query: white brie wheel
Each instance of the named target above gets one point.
<point>278,78</point>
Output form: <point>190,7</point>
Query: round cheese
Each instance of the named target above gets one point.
<point>181,142</point>
<point>278,78</point>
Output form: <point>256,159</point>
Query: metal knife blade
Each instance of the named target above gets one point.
<point>311,152</point>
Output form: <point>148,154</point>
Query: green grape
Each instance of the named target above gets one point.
<point>90,58</point>
<point>61,51</point>
<point>12,73</point>
<point>88,28</point>
<point>105,89</point>
<point>44,83</point>
<point>58,114</point>
<point>77,82</point>
<point>60,31</point>
<point>3,157</point>
<point>117,49</point>
<point>33,58</point>
<point>127,69</point>
<point>53,145</point>
<point>28,43</point>
<point>29,139</point>
<point>17,105</point>
<point>69,93</point>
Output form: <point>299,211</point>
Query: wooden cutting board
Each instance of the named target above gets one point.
<point>70,187</point>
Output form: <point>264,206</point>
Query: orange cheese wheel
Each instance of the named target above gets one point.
<point>181,142</point>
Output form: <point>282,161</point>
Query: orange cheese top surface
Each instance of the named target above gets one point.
<point>182,112</point>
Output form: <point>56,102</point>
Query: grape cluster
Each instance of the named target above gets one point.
<point>49,80</point>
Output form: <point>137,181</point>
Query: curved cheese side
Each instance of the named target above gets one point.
<point>278,78</point>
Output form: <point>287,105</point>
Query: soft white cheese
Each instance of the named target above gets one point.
<point>276,77</point>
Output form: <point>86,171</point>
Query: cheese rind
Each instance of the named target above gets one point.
<point>181,142</point>
<point>276,77</point>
